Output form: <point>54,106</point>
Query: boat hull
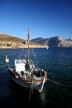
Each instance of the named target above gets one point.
<point>31,85</point>
<point>36,85</point>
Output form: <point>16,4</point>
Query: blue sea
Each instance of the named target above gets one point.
<point>57,91</point>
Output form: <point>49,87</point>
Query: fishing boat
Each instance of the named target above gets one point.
<point>26,74</point>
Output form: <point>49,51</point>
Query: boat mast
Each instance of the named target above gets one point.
<point>28,45</point>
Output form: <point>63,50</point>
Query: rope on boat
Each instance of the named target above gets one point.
<point>21,53</point>
<point>25,53</point>
<point>31,91</point>
<point>58,83</point>
<point>36,61</point>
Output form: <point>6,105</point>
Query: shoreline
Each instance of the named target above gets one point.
<point>30,47</point>
<point>22,47</point>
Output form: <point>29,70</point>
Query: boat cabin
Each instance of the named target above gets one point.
<point>20,65</point>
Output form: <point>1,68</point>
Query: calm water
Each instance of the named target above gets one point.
<point>58,64</point>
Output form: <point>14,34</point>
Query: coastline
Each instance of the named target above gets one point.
<point>30,47</point>
<point>25,46</point>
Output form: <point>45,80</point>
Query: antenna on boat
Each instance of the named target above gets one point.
<point>28,45</point>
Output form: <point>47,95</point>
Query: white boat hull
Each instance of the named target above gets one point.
<point>36,87</point>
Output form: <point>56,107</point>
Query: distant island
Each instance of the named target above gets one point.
<point>54,41</point>
<point>7,41</point>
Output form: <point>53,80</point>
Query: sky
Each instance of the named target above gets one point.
<point>45,18</point>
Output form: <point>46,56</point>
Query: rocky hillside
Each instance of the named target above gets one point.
<point>54,41</point>
<point>7,41</point>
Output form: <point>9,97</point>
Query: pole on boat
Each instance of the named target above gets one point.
<point>28,46</point>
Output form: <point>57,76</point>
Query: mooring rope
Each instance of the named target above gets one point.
<point>59,83</point>
<point>31,91</point>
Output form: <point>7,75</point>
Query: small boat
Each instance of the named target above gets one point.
<point>26,74</point>
<point>47,47</point>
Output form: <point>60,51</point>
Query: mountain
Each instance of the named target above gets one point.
<point>54,41</point>
<point>5,37</point>
<point>70,39</point>
<point>7,41</point>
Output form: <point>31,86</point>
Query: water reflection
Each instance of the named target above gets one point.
<point>23,97</point>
